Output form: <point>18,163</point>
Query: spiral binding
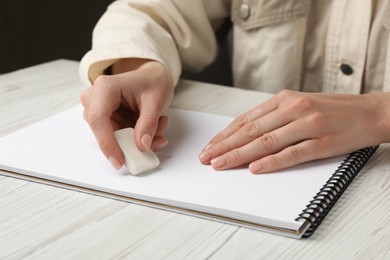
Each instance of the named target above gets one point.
<point>328,195</point>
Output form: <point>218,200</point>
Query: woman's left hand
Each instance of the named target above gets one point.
<point>295,127</point>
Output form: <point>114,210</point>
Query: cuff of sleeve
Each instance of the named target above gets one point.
<point>96,61</point>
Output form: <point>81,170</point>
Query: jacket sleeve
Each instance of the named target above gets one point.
<point>178,33</point>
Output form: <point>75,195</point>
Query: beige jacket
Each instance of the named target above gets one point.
<point>308,45</point>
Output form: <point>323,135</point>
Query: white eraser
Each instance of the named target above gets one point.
<point>136,161</point>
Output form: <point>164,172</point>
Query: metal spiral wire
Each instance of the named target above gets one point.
<point>326,198</point>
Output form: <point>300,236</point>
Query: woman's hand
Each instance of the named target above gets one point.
<point>294,127</point>
<point>135,96</point>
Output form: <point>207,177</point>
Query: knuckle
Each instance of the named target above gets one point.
<point>84,96</point>
<point>316,119</point>
<point>295,154</point>
<point>104,145</point>
<point>149,122</point>
<point>302,104</point>
<point>273,162</point>
<point>102,81</point>
<point>249,130</point>
<point>93,119</point>
<point>241,120</point>
<point>285,93</point>
<point>149,119</point>
<point>221,147</point>
<point>268,141</point>
<point>234,157</point>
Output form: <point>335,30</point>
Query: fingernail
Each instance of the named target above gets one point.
<point>167,121</point>
<point>205,156</point>
<point>207,147</point>
<point>255,167</point>
<point>146,140</point>
<point>115,163</point>
<point>162,145</point>
<point>219,162</point>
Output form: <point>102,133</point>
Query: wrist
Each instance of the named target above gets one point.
<point>128,64</point>
<point>380,102</point>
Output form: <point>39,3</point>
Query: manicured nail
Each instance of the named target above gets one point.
<point>219,162</point>
<point>146,140</point>
<point>255,167</point>
<point>207,147</point>
<point>205,156</point>
<point>115,163</point>
<point>162,145</point>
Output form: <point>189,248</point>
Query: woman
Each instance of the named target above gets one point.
<point>297,48</point>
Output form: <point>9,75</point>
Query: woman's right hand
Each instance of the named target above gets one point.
<point>134,96</point>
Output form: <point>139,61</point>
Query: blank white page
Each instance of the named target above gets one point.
<point>62,148</point>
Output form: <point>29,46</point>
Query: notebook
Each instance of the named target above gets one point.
<point>62,151</point>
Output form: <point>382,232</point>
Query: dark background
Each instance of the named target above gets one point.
<point>33,32</point>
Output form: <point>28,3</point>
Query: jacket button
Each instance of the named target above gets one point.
<point>346,69</point>
<point>244,11</point>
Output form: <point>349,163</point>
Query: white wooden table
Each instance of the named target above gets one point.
<point>44,222</point>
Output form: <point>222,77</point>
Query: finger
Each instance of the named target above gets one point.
<point>104,134</point>
<point>288,157</point>
<point>84,99</point>
<point>163,124</point>
<point>245,118</point>
<point>267,144</point>
<point>147,124</point>
<point>159,140</point>
<point>159,143</point>
<point>246,134</point>
<point>102,104</point>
